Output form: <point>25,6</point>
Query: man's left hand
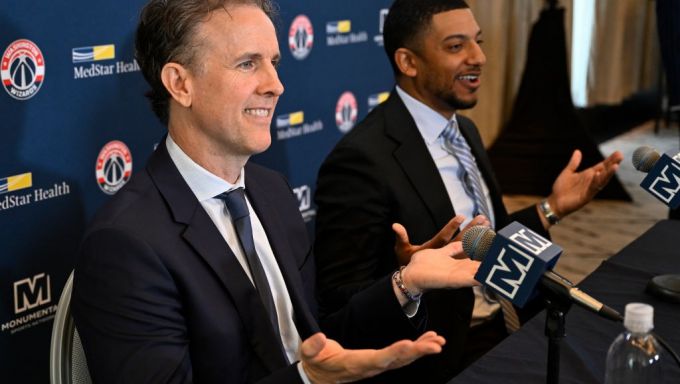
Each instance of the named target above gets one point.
<point>572,190</point>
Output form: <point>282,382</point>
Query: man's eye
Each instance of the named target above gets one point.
<point>246,65</point>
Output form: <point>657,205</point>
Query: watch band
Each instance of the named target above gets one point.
<point>548,212</point>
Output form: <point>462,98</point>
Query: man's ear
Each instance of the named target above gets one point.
<point>406,61</point>
<point>176,79</point>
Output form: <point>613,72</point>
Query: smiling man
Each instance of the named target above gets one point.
<point>414,161</point>
<point>200,269</point>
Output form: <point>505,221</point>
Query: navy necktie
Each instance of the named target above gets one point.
<point>235,202</point>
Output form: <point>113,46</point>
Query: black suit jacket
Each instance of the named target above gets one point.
<point>378,174</point>
<point>159,296</point>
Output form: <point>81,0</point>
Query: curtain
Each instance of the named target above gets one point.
<point>624,54</point>
<point>625,50</point>
<point>505,25</point>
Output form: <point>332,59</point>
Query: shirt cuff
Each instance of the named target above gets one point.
<point>302,373</point>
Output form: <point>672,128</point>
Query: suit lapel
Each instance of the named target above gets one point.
<point>274,228</point>
<point>209,244</point>
<point>415,160</point>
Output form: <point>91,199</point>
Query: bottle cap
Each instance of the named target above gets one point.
<point>639,317</point>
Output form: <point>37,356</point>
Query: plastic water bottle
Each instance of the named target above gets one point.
<point>635,355</point>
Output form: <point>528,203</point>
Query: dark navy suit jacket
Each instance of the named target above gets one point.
<point>382,173</point>
<point>159,296</point>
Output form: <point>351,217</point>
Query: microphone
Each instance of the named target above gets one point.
<point>517,260</point>
<point>663,174</point>
<point>663,182</point>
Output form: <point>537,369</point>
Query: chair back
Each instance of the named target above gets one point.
<point>67,358</point>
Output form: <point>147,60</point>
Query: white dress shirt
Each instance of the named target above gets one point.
<point>430,125</point>
<point>206,186</point>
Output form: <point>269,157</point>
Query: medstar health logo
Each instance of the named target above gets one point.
<point>22,69</point>
<point>114,167</point>
<point>301,37</point>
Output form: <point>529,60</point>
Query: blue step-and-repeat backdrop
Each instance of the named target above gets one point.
<point>76,125</point>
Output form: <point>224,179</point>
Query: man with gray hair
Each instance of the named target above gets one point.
<point>200,268</point>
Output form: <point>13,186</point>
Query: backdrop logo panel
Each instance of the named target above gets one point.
<point>304,196</point>
<point>30,293</point>
<point>340,33</point>
<point>22,69</point>
<point>301,37</point>
<point>95,94</point>
<point>114,167</point>
<point>25,181</point>
<point>16,182</point>
<point>94,54</point>
<point>377,99</point>
<point>293,124</point>
<point>381,24</point>
<point>346,112</point>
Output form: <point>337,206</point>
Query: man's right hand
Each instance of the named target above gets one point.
<point>440,268</point>
<point>405,250</point>
<point>326,361</point>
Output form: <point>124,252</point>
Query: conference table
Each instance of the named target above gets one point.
<point>522,357</point>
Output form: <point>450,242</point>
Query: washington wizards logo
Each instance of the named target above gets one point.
<point>114,167</point>
<point>301,37</point>
<point>346,112</point>
<point>22,69</point>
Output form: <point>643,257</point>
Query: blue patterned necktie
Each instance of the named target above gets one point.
<point>468,173</point>
<point>455,144</point>
<point>235,202</point>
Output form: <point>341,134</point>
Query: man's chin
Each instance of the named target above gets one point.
<point>458,104</point>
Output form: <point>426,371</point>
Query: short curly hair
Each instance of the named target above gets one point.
<point>165,33</point>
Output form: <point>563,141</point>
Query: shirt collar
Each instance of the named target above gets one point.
<point>204,184</point>
<point>429,122</point>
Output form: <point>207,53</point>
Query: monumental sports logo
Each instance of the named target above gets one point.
<point>30,293</point>
<point>304,196</point>
<point>93,53</point>
<point>114,167</point>
<point>346,112</point>
<point>381,25</point>
<point>16,182</point>
<point>301,37</point>
<point>22,69</point>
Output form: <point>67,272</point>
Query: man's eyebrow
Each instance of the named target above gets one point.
<point>462,36</point>
<point>256,56</point>
<point>249,55</point>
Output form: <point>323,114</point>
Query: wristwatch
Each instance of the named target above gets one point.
<point>548,212</point>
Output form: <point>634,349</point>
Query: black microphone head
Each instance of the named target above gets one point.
<point>477,241</point>
<point>644,158</point>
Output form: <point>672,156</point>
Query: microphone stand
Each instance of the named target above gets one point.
<point>557,307</point>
